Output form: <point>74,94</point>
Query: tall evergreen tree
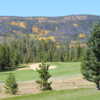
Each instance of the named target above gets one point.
<point>91,61</point>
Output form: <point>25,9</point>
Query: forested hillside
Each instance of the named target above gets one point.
<point>53,28</point>
<point>36,39</point>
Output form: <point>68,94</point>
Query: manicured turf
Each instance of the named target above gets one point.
<point>63,70</point>
<point>77,94</point>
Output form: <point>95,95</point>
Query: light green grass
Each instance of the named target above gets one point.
<point>63,70</point>
<point>77,94</point>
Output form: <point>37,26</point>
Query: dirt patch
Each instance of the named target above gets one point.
<point>77,82</point>
<point>31,87</point>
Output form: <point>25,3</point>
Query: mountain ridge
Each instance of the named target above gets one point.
<point>61,28</point>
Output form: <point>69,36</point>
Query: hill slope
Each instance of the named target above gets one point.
<point>57,28</point>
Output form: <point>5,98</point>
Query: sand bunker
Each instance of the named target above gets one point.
<point>35,66</point>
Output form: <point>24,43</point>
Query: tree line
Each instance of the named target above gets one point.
<point>27,49</point>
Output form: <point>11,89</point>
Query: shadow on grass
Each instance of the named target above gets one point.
<point>13,68</point>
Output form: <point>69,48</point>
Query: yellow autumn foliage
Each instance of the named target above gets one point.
<point>82,35</point>
<point>41,19</point>
<point>20,24</point>
<point>76,44</point>
<point>47,38</point>
<point>76,25</point>
<point>39,30</point>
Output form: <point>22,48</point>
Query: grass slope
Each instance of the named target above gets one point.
<point>76,94</point>
<point>63,70</point>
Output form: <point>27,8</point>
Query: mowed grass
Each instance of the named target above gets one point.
<point>65,70</point>
<point>62,70</point>
<point>77,94</point>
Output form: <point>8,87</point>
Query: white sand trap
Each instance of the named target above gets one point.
<point>36,66</point>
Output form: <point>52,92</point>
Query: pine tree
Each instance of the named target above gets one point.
<point>91,61</point>
<point>44,77</point>
<point>10,84</point>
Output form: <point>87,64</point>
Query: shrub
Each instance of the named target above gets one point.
<point>10,84</point>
